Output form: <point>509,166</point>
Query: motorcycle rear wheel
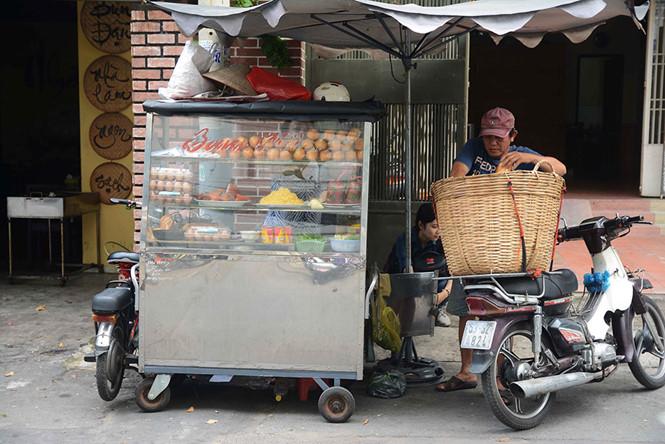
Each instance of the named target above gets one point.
<point>110,369</point>
<point>520,414</point>
<point>648,355</point>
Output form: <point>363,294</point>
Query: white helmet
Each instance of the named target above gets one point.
<point>332,92</point>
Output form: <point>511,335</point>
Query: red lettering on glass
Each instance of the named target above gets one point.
<point>197,142</point>
<point>200,141</point>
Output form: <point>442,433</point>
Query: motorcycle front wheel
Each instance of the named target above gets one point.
<point>517,413</point>
<point>648,364</point>
<point>111,368</point>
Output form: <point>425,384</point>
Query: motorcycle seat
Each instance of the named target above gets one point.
<point>112,300</point>
<point>556,285</point>
<point>123,256</point>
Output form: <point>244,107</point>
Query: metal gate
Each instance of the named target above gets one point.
<point>439,115</point>
<point>439,91</point>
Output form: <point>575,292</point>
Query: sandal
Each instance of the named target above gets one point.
<point>454,383</point>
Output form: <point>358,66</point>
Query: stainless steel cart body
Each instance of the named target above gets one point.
<point>217,315</point>
<point>236,286</point>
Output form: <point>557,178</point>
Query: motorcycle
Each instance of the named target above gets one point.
<point>116,321</point>
<point>530,342</point>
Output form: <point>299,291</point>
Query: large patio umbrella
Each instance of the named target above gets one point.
<point>404,31</point>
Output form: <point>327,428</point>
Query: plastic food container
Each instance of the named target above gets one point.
<point>310,245</point>
<point>282,235</point>
<point>345,245</point>
<point>250,236</point>
<point>267,235</point>
<point>168,235</point>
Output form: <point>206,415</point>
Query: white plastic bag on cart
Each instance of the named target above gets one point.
<point>186,80</point>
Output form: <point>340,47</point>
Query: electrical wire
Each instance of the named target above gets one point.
<point>392,73</point>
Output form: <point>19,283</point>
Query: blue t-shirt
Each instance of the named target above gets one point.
<point>474,156</point>
<point>396,262</point>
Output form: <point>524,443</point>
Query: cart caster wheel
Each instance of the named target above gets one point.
<point>63,282</point>
<point>157,404</point>
<point>336,404</point>
<point>11,281</point>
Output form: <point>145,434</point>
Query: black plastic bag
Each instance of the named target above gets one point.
<point>387,384</point>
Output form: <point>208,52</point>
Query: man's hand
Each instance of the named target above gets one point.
<point>514,159</point>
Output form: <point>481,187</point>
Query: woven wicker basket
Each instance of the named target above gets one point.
<point>480,216</point>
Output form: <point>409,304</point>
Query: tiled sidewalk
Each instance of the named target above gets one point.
<point>643,248</point>
<point>645,252</point>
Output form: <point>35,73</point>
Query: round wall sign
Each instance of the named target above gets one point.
<point>111,135</point>
<point>106,25</point>
<point>108,83</point>
<point>111,179</point>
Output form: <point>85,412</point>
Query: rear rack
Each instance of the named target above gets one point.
<point>498,290</point>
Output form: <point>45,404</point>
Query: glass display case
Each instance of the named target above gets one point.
<point>255,185</point>
<point>253,238</point>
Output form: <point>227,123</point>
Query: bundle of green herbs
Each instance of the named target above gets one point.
<point>273,47</point>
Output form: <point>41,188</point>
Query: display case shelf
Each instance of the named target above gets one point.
<point>236,248</point>
<point>250,162</point>
<point>350,210</point>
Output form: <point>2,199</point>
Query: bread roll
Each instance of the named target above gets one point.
<point>313,134</point>
<point>299,154</point>
<point>312,154</point>
<point>307,144</point>
<point>285,155</point>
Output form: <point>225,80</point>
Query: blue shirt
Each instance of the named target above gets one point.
<point>397,260</point>
<point>474,156</point>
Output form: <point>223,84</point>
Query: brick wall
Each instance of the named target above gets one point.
<point>156,45</point>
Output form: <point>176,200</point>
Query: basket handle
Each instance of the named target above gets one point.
<point>537,165</point>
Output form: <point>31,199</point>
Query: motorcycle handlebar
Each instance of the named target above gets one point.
<point>568,233</point>
<point>617,223</point>
<point>620,222</point>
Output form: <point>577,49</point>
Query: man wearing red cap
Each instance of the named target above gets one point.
<point>490,153</point>
<point>494,150</point>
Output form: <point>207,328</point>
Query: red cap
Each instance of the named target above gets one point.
<point>497,122</point>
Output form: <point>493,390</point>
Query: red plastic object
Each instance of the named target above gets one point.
<point>276,87</point>
<point>304,385</point>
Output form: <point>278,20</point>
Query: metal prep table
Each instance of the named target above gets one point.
<point>56,207</point>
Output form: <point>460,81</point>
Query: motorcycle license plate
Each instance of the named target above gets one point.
<point>478,335</point>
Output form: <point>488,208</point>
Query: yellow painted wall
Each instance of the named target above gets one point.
<point>117,222</point>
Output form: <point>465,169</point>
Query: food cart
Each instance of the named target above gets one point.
<point>254,243</point>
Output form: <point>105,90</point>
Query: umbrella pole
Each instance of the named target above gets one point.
<point>407,175</point>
